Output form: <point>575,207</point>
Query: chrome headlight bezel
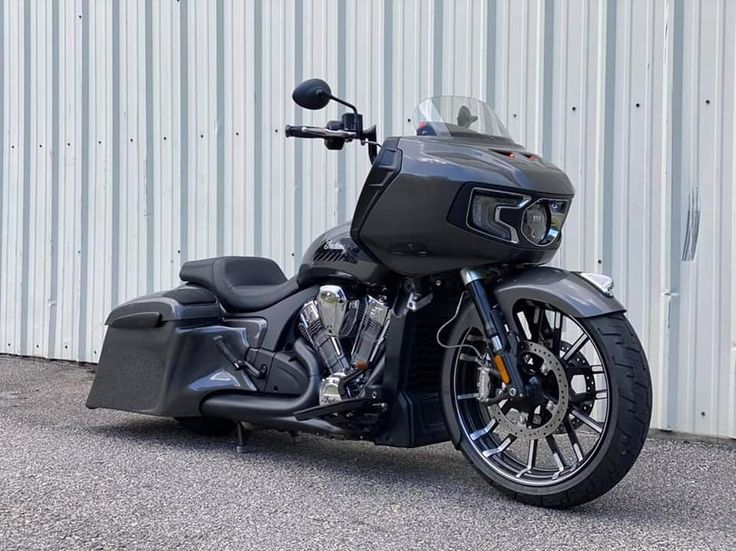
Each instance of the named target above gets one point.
<point>556,213</point>
<point>535,223</point>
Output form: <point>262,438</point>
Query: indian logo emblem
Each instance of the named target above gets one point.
<point>331,245</point>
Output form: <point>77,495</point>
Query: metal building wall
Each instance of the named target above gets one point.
<point>137,134</point>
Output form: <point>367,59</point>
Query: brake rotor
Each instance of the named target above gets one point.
<point>528,424</point>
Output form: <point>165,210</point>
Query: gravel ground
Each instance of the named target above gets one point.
<point>71,478</point>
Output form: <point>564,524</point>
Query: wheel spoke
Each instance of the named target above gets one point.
<point>556,454</point>
<point>535,325</point>
<point>592,423</point>
<point>574,440</point>
<point>467,396</point>
<point>557,333</point>
<point>575,348</point>
<point>485,430</point>
<point>502,446</point>
<point>577,397</point>
<point>573,370</point>
<point>531,458</point>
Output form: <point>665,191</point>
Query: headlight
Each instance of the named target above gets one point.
<point>535,223</point>
<point>543,220</point>
<point>485,213</point>
<point>505,215</point>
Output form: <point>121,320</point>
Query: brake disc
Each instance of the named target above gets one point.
<point>524,424</point>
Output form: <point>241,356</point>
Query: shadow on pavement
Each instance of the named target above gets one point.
<point>438,466</point>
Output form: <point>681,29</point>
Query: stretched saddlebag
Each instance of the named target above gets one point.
<point>160,353</point>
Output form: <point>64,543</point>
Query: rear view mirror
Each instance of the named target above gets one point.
<point>314,93</point>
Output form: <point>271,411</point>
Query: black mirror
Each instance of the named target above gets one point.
<point>314,93</point>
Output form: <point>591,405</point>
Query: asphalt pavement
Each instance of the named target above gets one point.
<point>71,478</point>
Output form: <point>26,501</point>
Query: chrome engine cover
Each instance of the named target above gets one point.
<point>333,306</point>
<point>331,319</point>
<point>329,389</point>
<point>372,330</point>
<point>327,346</point>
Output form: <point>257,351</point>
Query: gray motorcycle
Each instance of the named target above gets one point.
<point>429,317</point>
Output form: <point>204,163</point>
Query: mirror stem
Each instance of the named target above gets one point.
<point>345,103</point>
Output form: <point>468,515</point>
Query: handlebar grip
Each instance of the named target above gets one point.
<point>297,132</point>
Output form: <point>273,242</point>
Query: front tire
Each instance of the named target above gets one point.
<point>581,472</point>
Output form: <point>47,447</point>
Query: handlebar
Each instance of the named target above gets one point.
<point>317,132</point>
<point>334,137</point>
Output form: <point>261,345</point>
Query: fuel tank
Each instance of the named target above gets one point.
<point>334,254</point>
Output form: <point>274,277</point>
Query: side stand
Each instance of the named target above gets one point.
<point>243,435</point>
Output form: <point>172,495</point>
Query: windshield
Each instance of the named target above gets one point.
<point>457,116</point>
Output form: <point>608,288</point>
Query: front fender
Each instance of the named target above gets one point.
<point>566,291</point>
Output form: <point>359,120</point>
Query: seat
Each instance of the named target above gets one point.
<point>242,283</point>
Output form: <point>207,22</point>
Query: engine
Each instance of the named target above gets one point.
<point>332,323</point>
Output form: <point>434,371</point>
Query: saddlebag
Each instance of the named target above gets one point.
<point>161,356</point>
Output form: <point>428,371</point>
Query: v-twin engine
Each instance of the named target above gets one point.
<point>333,321</point>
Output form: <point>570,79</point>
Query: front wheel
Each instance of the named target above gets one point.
<point>584,417</point>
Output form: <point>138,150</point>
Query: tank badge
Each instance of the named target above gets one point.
<point>335,251</point>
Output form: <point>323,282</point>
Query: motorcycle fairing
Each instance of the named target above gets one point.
<point>413,222</point>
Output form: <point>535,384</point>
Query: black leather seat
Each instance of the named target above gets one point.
<point>242,283</point>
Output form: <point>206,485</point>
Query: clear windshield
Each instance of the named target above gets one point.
<point>457,116</point>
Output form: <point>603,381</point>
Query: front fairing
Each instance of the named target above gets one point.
<point>499,163</point>
<point>419,211</point>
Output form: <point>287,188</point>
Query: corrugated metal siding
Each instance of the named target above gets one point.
<point>135,135</point>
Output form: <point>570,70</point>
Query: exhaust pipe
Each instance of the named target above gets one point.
<point>270,411</point>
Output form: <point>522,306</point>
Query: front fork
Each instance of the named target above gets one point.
<point>503,344</point>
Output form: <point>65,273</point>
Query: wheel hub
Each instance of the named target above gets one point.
<point>545,405</point>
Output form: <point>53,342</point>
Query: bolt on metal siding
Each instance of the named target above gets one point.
<point>136,135</point>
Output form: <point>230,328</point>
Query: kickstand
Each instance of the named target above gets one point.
<point>243,435</point>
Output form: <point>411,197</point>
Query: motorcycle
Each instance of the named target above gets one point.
<point>429,317</point>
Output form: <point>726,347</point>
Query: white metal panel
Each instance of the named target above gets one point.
<point>12,166</point>
<point>136,135</point>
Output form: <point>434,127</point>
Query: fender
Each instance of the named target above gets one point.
<point>570,292</point>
